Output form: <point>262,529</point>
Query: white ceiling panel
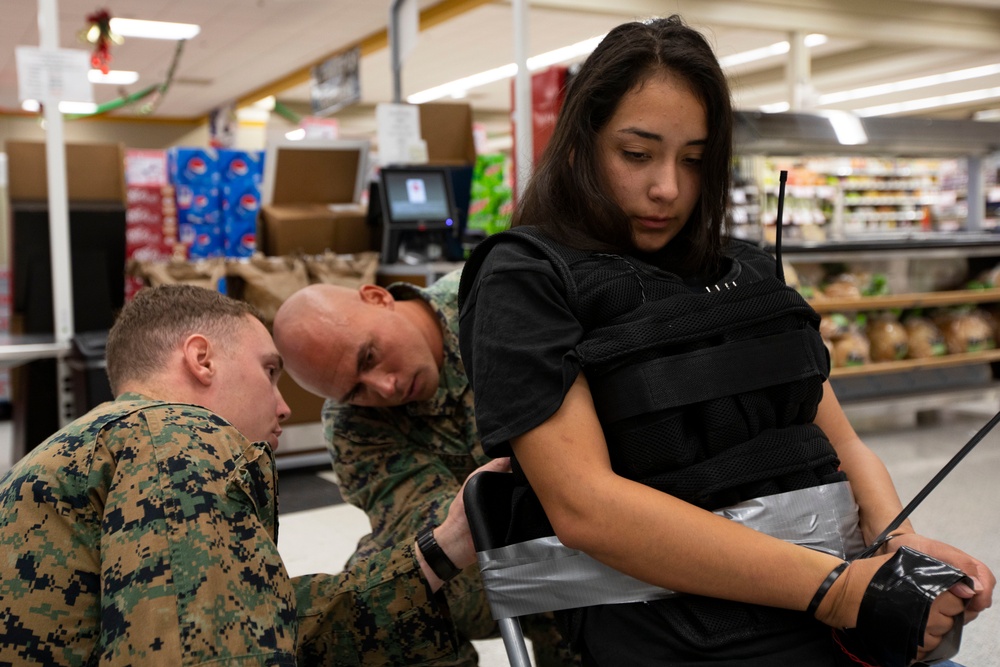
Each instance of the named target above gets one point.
<point>249,46</point>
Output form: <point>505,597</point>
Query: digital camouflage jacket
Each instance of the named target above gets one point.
<point>146,532</point>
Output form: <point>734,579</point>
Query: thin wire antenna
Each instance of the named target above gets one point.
<point>782,179</point>
<point>930,486</point>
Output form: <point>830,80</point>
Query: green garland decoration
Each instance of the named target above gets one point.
<point>157,89</point>
<point>286,113</point>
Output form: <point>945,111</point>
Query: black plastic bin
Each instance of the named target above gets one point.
<point>88,364</point>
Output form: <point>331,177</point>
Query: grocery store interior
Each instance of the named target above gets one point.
<point>884,115</point>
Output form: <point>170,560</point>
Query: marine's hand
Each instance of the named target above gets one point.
<point>453,534</point>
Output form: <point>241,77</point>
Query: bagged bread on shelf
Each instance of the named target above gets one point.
<point>888,338</point>
<point>843,286</point>
<point>832,326</point>
<point>855,285</point>
<point>925,339</point>
<point>965,330</point>
<point>852,349</point>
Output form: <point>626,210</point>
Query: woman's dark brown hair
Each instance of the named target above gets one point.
<point>567,196</point>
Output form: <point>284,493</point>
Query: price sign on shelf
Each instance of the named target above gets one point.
<point>53,75</point>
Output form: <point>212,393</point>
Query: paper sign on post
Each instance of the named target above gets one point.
<point>53,75</point>
<point>398,133</point>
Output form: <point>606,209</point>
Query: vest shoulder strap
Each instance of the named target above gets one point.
<point>558,255</point>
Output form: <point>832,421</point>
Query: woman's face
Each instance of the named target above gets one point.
<point>650,153</point>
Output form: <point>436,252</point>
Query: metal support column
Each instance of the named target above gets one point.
<point>524,149</point>
<point>60,257</point>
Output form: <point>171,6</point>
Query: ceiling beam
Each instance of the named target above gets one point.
<point>899,21</point>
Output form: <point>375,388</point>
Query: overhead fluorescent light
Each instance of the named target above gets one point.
<point>448,89</point>
<point>987,115</point>
<point>76,108</point>
<point>777,107</point>
<point>79,108</point>
<point>930,102</point>
<point>115,77</point>
<point>847,127</point>
<point>563,54</point>
<point>460,87</point>
<point>776,49</point>
<point>153,29</point>
<point>910,84</point>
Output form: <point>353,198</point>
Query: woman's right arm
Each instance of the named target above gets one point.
<point>665,541</point>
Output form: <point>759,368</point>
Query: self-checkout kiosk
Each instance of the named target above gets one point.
<point>420,221</point>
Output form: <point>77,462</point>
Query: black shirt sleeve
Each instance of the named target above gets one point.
<point>518,338</point>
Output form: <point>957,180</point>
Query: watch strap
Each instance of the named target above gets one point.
<point>435,556</point>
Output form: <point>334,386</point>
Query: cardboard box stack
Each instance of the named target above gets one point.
<point>315,192</point>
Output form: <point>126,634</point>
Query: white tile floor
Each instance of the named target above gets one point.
<point>962,511</point>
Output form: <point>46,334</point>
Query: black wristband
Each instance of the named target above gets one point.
<point>824,588</point>
<point>435,556</point>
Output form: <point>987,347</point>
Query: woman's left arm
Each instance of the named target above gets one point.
<point>879,503</point>
<point>870,481</point>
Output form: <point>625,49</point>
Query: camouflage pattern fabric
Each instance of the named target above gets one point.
<point>404,465</point>
<point>146,532</point>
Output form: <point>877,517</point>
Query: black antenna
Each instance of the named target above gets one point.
<point>931,485</point>
<point>782,179</point>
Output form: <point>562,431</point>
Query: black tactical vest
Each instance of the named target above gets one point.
<point>706,393</point>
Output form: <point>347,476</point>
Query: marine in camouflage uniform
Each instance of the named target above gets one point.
<point>403,466</point>
<point>146,532</point>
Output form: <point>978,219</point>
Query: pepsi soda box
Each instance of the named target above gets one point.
<point>240,201</point>
<point>241,237</point>
<point>198,204</point>
<point>193,166</point>
<point>241,166</point>
<point>202,240</point>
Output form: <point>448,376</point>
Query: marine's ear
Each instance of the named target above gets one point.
<point>376,295</point>
<point>199,358</point>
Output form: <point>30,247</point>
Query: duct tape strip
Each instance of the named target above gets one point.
<point>545,575</point>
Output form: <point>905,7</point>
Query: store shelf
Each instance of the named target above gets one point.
<point>918,300</point>
<point>944,361</point>
<point>19,349</point>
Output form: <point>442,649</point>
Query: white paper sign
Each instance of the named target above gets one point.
<point>397,130</point>
<point>53,75</point>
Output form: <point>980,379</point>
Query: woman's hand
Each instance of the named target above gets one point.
<point>980,596</point>
<point>841,606</point>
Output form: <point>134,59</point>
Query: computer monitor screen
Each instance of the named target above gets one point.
<point>418,198</point>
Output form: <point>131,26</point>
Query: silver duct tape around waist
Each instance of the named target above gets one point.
<point>544,575</point>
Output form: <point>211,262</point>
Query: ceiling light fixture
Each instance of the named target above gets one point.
<point>910,84</point>
<point>78,108</point>
<point>930,102</point>
<point>459,87</point>
<point>847,127</point>
<point>153,29</point>
<point>115,77</point>
<point>776,49</point>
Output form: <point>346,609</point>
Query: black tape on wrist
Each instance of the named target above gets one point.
<point>895,608</point>
<point>824,588</point>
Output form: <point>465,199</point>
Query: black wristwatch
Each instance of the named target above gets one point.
<point>435,555</point>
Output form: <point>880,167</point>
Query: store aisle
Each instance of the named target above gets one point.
<point>963,511</point>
